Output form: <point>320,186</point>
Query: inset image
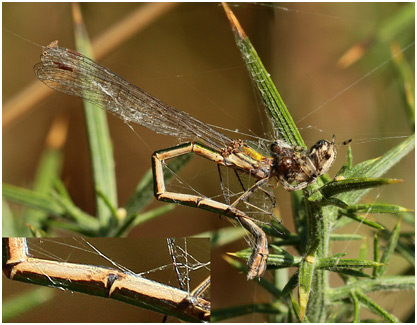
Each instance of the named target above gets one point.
<point>147,279</point>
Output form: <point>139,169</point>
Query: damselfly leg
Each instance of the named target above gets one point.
<point>117,282</point>
<point>258,259</point>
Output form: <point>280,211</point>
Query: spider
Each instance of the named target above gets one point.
<point>296,168</point>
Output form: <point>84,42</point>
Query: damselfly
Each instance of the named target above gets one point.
<point>294,168</point>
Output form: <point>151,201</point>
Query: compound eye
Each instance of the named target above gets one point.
<point>286,166</point>
<point>275,148</point>
<point>319,144</point>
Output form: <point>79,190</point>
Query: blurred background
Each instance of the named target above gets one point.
<point>188,58</point>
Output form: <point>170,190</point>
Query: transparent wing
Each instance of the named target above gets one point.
<point>74,74</point>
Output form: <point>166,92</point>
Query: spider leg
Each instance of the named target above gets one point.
<point>307,166</point>
<point>264,212</point>
<point>258,186</point>
<point>270,196</point>
<point>289,187</point>
<point>223,188</point>
<point>249,192</point>
<point>240,181</point>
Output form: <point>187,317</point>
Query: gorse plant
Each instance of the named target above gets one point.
<point>320,212</point>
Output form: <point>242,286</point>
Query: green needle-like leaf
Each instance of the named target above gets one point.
<point>267,285</point>
<point>152,214</point>
<point>47,172</point>
<point>350,272</point>
<point>399,23</point>
<point>71,211</point>
<point>346,237</point>
<point>11,227</point>
<point>377,208</point>
<point>276,260</point>
<point>271,98</point>
<point>99,139</point>
<point>305,279</point>
<point>32,199</point>
<point>332,263</point>
<point>357,308</point>
<point>389,249</point>
<point>376,167</point>
<point>296,309</point>
<point>407,83</point>
<point>363,220</point>
<point>291,285</point>
<point>376,308</point>
<point>348,164</point>
<point>376,255</point>
<point>385,283</point>
<point>354,184</point>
